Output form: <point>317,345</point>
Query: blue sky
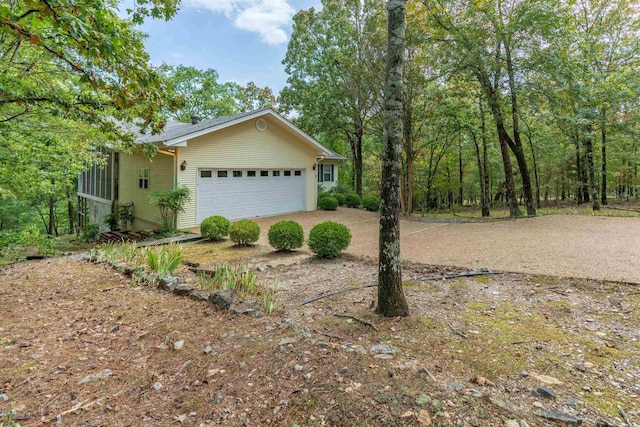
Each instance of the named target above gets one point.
<point>243,40</point>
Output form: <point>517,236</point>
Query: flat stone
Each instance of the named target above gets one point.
<point>182,289</point>
<point>545,392</point>
<point>249,308</point>
<point>169,283</point>
<point>125,268</point>
<point>512,423</point>
<point>156,386</point>
<point>208,350</point>
<point>552,414</point>
<point>383,356</point>
<point>505,404</point>
<point>223,298</point>
<point>288,340</point>
<point>178,345</point>
<point>104,374</point>
<point>199,295</point>
<point>456,386</point>
<point>217,399</point>
<point>4,397</point>
<point>383,349</point>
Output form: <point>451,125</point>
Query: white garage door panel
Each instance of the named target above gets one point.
<point>248,197</point>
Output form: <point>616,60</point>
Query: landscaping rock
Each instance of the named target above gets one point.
<point>249,307</point>
<point>97,376</point>
<point>4,397</point>
<point>178,345</point>
<point>217,399</point>
<point>223,298</point>
<point>288,340</point>
<point>157,386</point>
<point>384,349</point>
<point>552,414</point>
<point>545,392</point>
<point>208,350</point>
<point>168,283</point>
<point>124,268</point>
<point>182,289</point>
<point>199,295</point>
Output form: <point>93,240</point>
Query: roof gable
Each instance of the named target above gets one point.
<point>177,134</point>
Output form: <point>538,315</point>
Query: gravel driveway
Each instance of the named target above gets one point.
<point>604,248</point>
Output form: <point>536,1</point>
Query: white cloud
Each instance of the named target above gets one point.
<point>268,18</point>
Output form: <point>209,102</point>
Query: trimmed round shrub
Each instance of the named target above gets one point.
<point>244,232</point>
<point>328,239</point>
<point>215,227</point>
<point>371,203</point>
<point>352,200</point>
<point>340,198</point>
<point>286,235</point>
<point>328,203</point>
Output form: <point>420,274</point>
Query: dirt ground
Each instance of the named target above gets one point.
<point>472,353</point>
<point>596,247</point>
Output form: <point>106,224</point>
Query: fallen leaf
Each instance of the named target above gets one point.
<point>424,418</point>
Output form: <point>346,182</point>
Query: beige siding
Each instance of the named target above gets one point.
<point>244,147</point>
<point>160,178</point>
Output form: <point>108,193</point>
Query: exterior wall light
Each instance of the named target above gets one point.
<point>183,165</point>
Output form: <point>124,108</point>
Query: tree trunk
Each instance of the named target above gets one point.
<point>51,226</point>
<point>516,146</point>
<point>391,299</point>
<point>486,198</point>
<point>70,212</point>
<point>504,139</point>
<point>535,169</point>
<point>407,196</point>
<point>460,178</point>
<point>579,192</point>
<point>592,173</point>
<point>603,193</point>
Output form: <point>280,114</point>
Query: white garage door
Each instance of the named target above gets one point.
<point>238,194</point>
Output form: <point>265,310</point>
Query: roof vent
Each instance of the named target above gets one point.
<point>195,119</point>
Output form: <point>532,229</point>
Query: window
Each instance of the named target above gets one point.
<point>237,174</point>
<point>143,178</point>
<point>287,173</point>
<point>205,174</point>
<point>276,173</point>
<point>325,173</point>
<point>222,174</point>
<point>298,173</point>
<point>251,173</point>
<point>264,173</point>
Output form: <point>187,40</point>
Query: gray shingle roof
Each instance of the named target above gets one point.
<point>173,130</point>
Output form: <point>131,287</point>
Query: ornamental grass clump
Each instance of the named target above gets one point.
<point>286,235</point>
<point>244,232</point>
<point>328,239</point>
<point>215,227</point>
<point>163,260</point>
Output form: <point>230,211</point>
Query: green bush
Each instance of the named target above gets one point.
<point>286,235</point>
<point>371,203</point>
<point>170,203</point>
<point>352,200</point>
<point>328,239</point>
<point>244,232</point>
<point>215,227</point>
<point>340,198</point>
<point>328,203</point>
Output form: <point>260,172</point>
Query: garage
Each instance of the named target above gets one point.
<point>249,193</point>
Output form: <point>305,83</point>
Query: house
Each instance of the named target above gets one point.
<point>246,165</point>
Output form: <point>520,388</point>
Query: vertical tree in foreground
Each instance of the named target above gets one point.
<point>391,300</point>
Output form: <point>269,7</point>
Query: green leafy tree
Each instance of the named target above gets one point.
<point>335,61</point>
